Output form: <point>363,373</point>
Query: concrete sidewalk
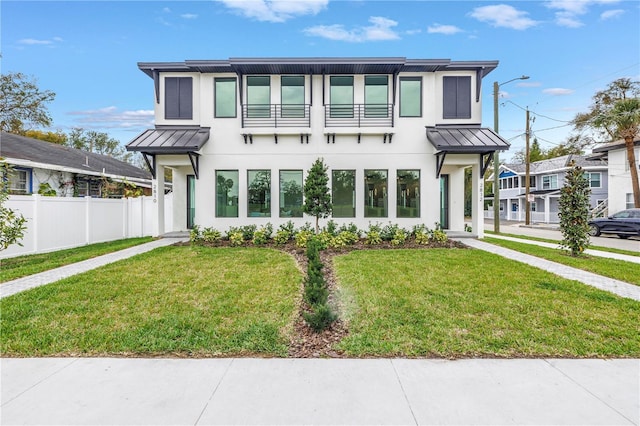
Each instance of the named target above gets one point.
<point>21,284</point>
<point>75,391</point>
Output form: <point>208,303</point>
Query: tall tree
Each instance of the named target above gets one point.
<point>57,137</point>
<point>22,103</point>
<point>98,142</point>
<point>624,117</point>
<point>574,211</point>
<point>573,145</point>
<point>317,199</point>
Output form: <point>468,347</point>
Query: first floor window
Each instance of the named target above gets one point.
<point>533,206</point>
<point>408,193</point>
<point>343,193</point>
<point>87,188</point>
<point>375,193</point>
<point>259,193</point>
<point>18,180</point>
<point>227,193</point>
<point>290,193</point>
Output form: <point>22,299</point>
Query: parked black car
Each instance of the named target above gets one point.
<point>625,224</point>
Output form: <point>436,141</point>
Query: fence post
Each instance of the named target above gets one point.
<point>36,234</point>
<point>87,211</point>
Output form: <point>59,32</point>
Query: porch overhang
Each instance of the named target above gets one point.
<point>470,139</point>
<point>170,140</point>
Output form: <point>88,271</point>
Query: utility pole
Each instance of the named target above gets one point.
<point>527,207</point>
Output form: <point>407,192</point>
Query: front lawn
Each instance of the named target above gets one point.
<point>176,301</point>
<point>470,303</point>
<point>612,268</point>
<point>21,266</point>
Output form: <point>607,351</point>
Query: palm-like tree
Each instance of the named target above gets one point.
<point>625,117</point>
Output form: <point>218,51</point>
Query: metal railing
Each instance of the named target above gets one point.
<point>276,115</point>
<point>359,115</point>
<point>601,210</point>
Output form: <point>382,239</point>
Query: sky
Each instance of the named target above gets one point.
<point>87,51</point>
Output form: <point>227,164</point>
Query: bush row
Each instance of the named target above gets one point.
<point>316,292</point>
<point>332,235</point>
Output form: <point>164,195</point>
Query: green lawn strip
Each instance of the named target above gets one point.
<point>612,268</point>
<point>182,301</point>
<point>470,303</point>
<point>21,266</point>
<point>547,240</point>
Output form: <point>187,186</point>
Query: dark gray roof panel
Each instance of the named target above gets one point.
<point>619,144</point>
<point>466,139</point>
<point>20,147</point>
<point>353,65</point>
<point>176,140</point>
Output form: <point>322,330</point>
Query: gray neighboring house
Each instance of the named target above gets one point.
<point>546,177</point>
<point>69,171</point>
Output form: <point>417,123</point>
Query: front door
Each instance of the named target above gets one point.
<point>191,201</point>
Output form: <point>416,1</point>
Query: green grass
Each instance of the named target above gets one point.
<point>612,268</point>
<point>547,240</point>
<point>470,303</point>
<point>21,266</point>
<point>180,301</point>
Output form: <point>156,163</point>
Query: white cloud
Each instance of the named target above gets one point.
<point>443,29</point>
<point>166,10</point>
<point>503,15</point>
<point>413,32</point>
<point>39,42</point>
<point>189,16</point>
<point>570,10</point>
<point>567,19</point>
<point>610,14</point>
<point>112,118</point>
<point>380,29</point>
<point>558,91</point>
<point>275,10</point>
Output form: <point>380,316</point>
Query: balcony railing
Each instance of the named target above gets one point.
<point>359,115</point>
<point>276,115</point>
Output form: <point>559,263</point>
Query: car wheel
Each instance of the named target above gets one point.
<point>594,231</point>
<point>623,236</point>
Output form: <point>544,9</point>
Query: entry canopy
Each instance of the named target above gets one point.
<point>465,140</point>
<point>170,140</point>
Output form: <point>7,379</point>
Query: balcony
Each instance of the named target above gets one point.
<point>276,115</point>
<point>359,115</point>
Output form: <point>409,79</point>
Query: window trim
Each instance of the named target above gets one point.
<point>355,191</point>
<point>269,193</point>
<point>385,194</point>
<point>237,172</point>
<point>235,96</point>
<point>418,79</point>
<point>417,193</point>
<point>589,174</point>
<point>551,187</point>
<point>280,197</point>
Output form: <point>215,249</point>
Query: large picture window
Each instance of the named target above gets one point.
<point>258,96</point>
<point>410,97</point>
<point>408,193</point>
<point>290,193</point>
<point>343,193</point>
<point>227,193</point>
<point>341,96</point>
<point>259,193</point>
<point>292,96</point>
<point>225,98</point>
<point>376,96</point>
<point>375,193</point>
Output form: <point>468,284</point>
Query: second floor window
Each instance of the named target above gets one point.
<point>341,96</point>
<point>178,98</point>
<point>410,97</point>
<point>376,96</point>
<point>225,97</point>
<point>594,179</point>
<point>292,96</point>
<point>456,97</point>
<point>550,182</point>
<point>258,97</point>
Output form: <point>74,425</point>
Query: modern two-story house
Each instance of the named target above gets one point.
<point>546,177</point>
<point>395,133</point>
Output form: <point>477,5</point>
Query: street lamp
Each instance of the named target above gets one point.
<point>496,161</point>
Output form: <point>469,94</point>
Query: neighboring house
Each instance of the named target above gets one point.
<point>620,189</point>
<point>68,171</point>
<point>395,133</point>
<point>546,177</point>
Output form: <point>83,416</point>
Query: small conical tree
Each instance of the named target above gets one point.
<point>574,211</point>
<point>317,199</point>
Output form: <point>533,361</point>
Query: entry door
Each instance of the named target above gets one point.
<point>444,201</point>
<point>191,201</point>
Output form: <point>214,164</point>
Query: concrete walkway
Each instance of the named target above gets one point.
<point>620,288</point>
<point>21,284</point>
<point>99,391</point>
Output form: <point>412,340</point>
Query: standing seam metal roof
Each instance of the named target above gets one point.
<point>170,140</point>
<point>465,139</point>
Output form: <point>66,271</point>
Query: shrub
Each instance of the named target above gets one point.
<point>321,317</point>
<point>195,235</point>
<point>422,237</point>
<point>344,239</point>
<point>574,211</point>
<point>282,237</point>
<point>439,236</point>
<point>332,228</point>
<point>247,232</point>
<point>211,235</point>
<point>352,228</point>
<point>302,237</point>
<point>323,239</point>
<point>315,293</point>
<point>389,231</point>
<point>399,237</point>
<point>373,235</point>
<point>260,237</point>
<point>236,238</point>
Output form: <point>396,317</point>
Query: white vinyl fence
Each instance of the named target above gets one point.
<point>55,223</point>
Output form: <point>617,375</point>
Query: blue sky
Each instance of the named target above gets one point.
<point>87,51</point>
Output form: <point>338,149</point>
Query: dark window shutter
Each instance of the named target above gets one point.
<point>457,97</point>
<point>464,97</point>
<point>186,97</point>
<point>178,100</point>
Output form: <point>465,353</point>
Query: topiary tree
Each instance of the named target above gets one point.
<point>317,199</point>
<point>574,211</point>
<point>12,225</point>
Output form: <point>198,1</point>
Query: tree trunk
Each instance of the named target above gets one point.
<point>318,219</point>
<point>633,168</point>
